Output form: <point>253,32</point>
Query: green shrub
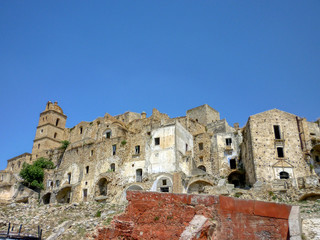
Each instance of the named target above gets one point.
<point>64,144</point>
<point>98,213</point>
<point>33,174</point>
<point>123,142</point>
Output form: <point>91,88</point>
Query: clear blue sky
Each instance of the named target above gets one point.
<point>93,57</point>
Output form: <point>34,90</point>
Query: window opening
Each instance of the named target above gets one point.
<point>164,189</point>
<point>69,178</point>
<point>57,121</point>
<point>55,135</point>
<point>108,134</point>
<point>228,141</point>
<point>87,169</point>
<point>139,175</point>
<point>113,167</point>
<point>57,183</point>
<point>277,134</point>
<point>39,146</point>
<point>164,182</point>
<point>280,152</point>
<point>137,149</point>
<point>317,159</point>
<point>233,164</point>
<point>203,168</point>
<point>157,141</point>
<point>186,147</point>
<point>85,194</point>
<point>201,159</point>
<point>284,175</point>
<point>91,153</point>
<point>200,146</point>
<point>114,149</point>
<point>80,130</point>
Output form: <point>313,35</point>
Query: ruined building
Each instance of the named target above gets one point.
<point>190,154</point>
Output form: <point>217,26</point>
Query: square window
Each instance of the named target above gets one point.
<point>228,141</point>
<point>157,141</point>
<point>164,182</point>
<point>200,146</point>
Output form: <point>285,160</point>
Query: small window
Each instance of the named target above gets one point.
<point>201,159</point>
<point>85,193</point>
<point>91,153</point>
<point>277,134</point>
<point>39,146</point>
<point>55,135</point>
<point>57,121</point>
<point>41,131</point>
<point>113,167</point>
<point>87,169</point>
<point>157,141</point>
<point>317,159</point>
<point>81,130</point>
<point>164,189</point>
<point>69,178</point>
<point>108,134</point>
<point>280,152</point>
<point>164,182</point>
<point>149,133</point>
<point>114,149</point>
<point>186,147</point>
<point>203,168</point>
<point>137,149</point>
<point>19,164</point>
<point>284,175</point>
<point>200,146</point>
<point>233,164</point>
<point>228,141</point>
<point>57,183</point>
<point>139,175</point>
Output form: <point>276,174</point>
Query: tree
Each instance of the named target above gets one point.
<point>33,174</point>
<point>64,144</point>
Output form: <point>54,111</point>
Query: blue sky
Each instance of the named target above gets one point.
<point>93,57</point>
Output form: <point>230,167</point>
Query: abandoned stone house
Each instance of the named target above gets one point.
<point>112,154</point>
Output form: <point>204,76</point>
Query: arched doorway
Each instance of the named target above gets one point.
<point>237,178</point>
<point>102,187</point>
<point>198,186</point>
<point>64,195</point>
<point>46,198</point>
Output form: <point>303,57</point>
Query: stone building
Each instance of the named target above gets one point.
<point>112,154</point>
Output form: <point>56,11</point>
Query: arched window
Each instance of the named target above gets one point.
<point>57,121</point>
<point>80,130</point>
<point>284,175</point>
<point>203,168</point>
<point>139,175</point>
<point>113,167</point>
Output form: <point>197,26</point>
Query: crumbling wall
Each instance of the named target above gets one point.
<point>151,215</point>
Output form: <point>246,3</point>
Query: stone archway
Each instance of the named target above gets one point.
<point>198,186</point>
<point>101,187</point>
<point>64,195</point>
<point>237,178</point>
<point>135,188</point>
<point>310,197</point>
<point>46,198</point>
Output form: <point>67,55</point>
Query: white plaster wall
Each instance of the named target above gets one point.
<point>75,174</point>
<point>162,157</point>
<point>128,170</point>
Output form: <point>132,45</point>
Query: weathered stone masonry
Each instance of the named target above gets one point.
<point>190,154</point>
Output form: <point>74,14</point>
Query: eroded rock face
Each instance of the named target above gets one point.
<point>181,216</point>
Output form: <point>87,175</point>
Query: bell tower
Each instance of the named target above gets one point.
<point>50,129</point>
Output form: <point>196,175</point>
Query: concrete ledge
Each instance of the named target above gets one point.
<point>295,227</point>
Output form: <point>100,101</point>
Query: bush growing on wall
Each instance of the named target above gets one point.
<point>33,174</point>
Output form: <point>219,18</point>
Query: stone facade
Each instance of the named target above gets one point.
<point>113,154</point>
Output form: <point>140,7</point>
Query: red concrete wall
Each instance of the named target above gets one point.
<point>152,215</point>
